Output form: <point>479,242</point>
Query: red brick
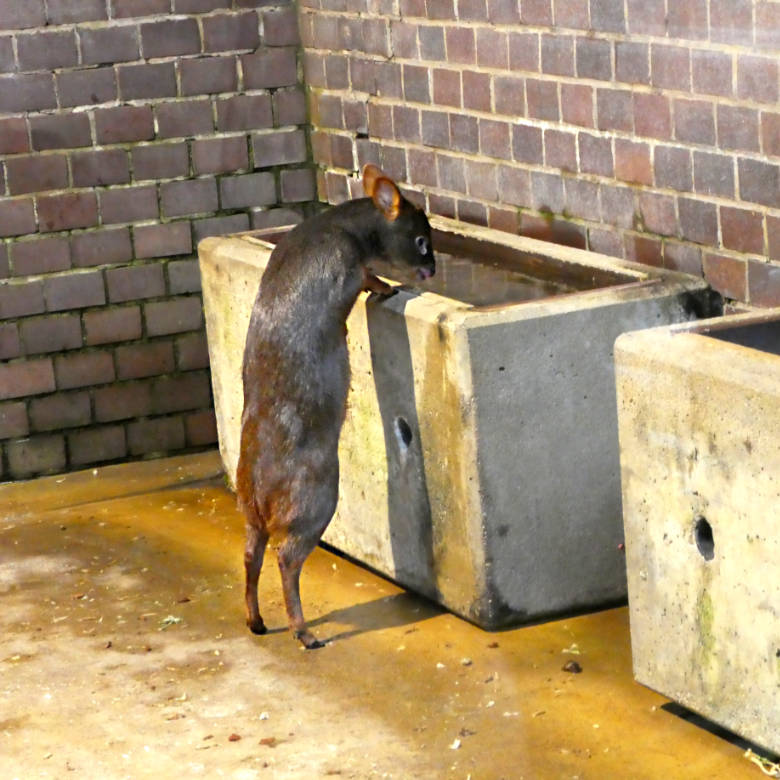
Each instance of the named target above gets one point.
<point>183,276</point>
<point>432,43</point>
<point>135,282</point>
<point>124,124</point>
<point>757,79</point>
<point>688,19</point>
<point>37,455</point>
<point>21,379</point>
<point>109,325</point>
<point>128,204</point>
<point>387,78</point>
<point>290,106</point>
<point>60,131</point>
<point>135,361</point>
<point>17,216</point>
<point>632,62</point>
<point>13,135</point>
<point>698,221</point>
<point>617,206</point>
<point>280,27</point>
<point>63,410</point>
<point>404,39</point>
<point>163,240</point>
<point>767,27</point>
<point>68,210</point>
<point>577,104</point>
<point>50,334</point>
<point>560,150</point>
<point>670,67</point>
<point>159,436</point>
<point>503,12</point>
<point>536,12</point>
<point>406,124</point>
<point>86,87</point>
<point>742,230</point>
<point>207,75</point>
<point>47,50</point>
<point>643,249</point>
<point>711,72</point>
<point>652,116</point>
<point>759,182</point>
<point>415,81</point>
<point>40,256</point>
<point>494,139</point>
<point>658,213</point>
<point>673,168</point>
<point>219,226</point>
<point>15,15</point>
<point>441,9</point>
<point>26,92</point>
<point>476,90</point>
<point>121,9</point>
<point>97,445</point>
<point>472,10</point>
<point>13,420</point>
<point>149,80</point>
<point>83,369</point>
<point>175,315</point>
<point>713,174</point>
<point>596,155</point>
<point>279,148</point>
<point>581,198</point>
<point>614,110</point>
<point>481,180</point>
<point>5,268</point>
<point>120,402</point>
<point>160,161</point>
<point>607,15</point>
<point>21,299</point>
<point>107,45</point>
<point>201,428</point>
<point>446,87</point>
<point>461,46</point>
<point>737,128</point>
<point>464,133</point>
<point>192,351</point>
<point>191,390</point>
<point>731,21</point>
<point>763,283</point>
<point>435,128</point>
<point>572,13</point>
<point>195,196</point>
<point>474,213</point>
<point>271,67</point>
<point>547,192</point>
<point>683,257</point>
<point>185,118</point>
<point>100,167</point>
<point>509,95</point>
<point>527,144</point>
<point>773,236</point>
<point>594,59</point>
<point>451,172</point>
<point>69,11</point>
<point>74,291</point>
<point>694,121</point>
<point>632,162</point>
<point>607,242</point>
<point>36,173</point>
<point>199,6</point>
<point>101,247</point>
<point>10,346</point>
<point>770,134</point>
<point>542,99</point>
<point>169,37</point>
<point>558,54</point>
<point>220,155</point>
<point>297,185</point>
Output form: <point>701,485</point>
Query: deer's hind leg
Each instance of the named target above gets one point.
<point>254,551</point>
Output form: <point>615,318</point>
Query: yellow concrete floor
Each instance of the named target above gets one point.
<point>123,653</point>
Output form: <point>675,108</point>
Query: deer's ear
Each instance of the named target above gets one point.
<point>387,198</point>
<point>370,174</point>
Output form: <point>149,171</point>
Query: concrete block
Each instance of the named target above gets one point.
<point>479,458</point>
<point>699,421</point>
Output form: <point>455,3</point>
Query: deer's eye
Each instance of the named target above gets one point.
<point>421,242</point>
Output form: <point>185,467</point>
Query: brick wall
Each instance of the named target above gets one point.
<point>645,129</point>
<point>130,129</point>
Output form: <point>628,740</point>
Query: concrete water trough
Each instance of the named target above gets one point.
<point>479,458</point>
<point>699,419</point>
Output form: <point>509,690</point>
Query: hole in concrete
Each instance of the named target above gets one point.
<point>403,432</point>
<point>705,542</point>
